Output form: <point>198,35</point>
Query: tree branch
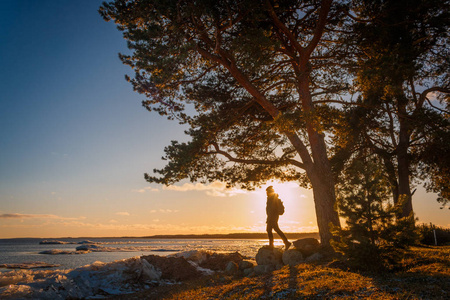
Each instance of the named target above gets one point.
<point>255,161</point>
<point>322,21</point>
<point>391,126</point>
<point>437,108</point>
<point>227,60</point>
<point>424,94</point>
<point>280,25</point>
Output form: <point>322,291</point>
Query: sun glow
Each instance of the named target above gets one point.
<point>298,216</point>
<point>289,192</point>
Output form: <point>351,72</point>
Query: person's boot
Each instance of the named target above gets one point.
<point>287,245</point>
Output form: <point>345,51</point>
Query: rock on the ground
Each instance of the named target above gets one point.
<point>249,272</point>
<point>219,261</point>
<point>197,256</point>
<point>292,257</point>
<point>231,267</point>
<point>314,257</point>
<point>263,269</point>
<point>269,256</point>
<point>245,264</point>
<point>307,246</point>
<point>173,268</point>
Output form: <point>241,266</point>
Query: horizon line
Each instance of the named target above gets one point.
<point>174,236</point>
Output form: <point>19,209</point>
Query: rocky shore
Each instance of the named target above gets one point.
<point>146,272</point>
<point>305,271</point>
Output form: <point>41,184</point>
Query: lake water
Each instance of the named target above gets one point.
<point>15,251</point>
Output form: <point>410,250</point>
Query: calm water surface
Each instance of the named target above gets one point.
<point>27,250</point>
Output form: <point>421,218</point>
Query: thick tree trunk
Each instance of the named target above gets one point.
<point>391,171</point>
<point>320,173</point>
<point>404,188</point>
<point>324,201</point>
<point>316,162</point>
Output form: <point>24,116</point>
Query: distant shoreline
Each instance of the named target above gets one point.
<point>192,236</point>
<point>232,236</point>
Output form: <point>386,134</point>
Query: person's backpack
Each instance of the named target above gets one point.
<point>280,207</point>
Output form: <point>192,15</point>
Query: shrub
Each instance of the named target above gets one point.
<point>427,232</point>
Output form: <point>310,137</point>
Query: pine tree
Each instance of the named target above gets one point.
<point>252,71</point>
<point>402,64</point>
<point>373,234</point>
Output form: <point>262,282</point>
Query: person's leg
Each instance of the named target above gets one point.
<point>270,234</point>
<point>281,234</point>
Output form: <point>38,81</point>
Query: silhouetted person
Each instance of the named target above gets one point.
<point>272,217</point>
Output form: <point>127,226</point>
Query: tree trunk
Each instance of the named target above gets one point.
<point>324,201</point>
<point>320,173</point>
<point>404,188</point>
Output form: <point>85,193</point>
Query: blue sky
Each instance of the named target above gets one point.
<point>75,140</point>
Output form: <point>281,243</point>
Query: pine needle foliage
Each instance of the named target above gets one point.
<point>373,235</point>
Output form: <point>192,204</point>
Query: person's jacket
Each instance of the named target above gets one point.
<point>272,205</point>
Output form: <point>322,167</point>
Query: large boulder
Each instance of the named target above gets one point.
<point>307,246</point>
<point>173,268</point>
<point>245,264</point>
<point>269,256</point>
<point>231,267</point>
<point>292,257</point>
<point>197,256</point>
<point>219,261</point>
<point>263,269</point>
<point>315,257</point>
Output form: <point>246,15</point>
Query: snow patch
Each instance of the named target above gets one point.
<point>96,280</point>
<point>197,256</point>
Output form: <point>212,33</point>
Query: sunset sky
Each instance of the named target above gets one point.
<point>76,142</point>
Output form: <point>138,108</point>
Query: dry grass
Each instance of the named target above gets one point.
<point>424,273</point>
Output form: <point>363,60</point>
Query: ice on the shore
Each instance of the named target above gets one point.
<point>58,252</point>
<point>57,242</point>
<point>28,265</point>
<point>54,242</point>
<point>92,281</point>
<point>98,248</point>
<point>88,248</point>
<point>98,280</point>
<point>86,242</point>
<point>91,247</point>
<point>197,256</point>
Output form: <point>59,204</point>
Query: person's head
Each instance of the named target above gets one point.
<point>270,190</point>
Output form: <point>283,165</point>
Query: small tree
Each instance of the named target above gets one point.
<point>372,234</point>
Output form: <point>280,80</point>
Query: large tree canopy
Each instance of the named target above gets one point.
<point>260,85</point>
<point>252,71</point>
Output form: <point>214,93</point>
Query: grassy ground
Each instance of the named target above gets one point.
<point>424,273</point>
